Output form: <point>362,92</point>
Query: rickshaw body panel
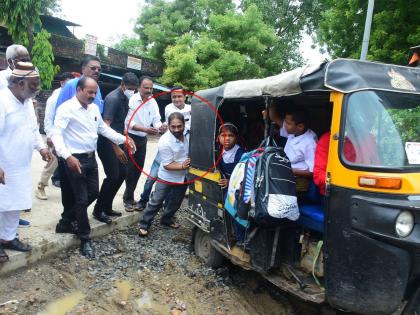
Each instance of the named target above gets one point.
<point>368,267</point>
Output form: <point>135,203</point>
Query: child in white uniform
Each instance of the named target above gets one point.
<point>300,148</point>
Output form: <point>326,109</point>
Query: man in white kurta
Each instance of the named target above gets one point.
<point>19,136</point>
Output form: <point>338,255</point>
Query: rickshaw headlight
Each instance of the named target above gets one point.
<point>404,224</point>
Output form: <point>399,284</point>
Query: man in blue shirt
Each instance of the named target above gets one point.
<point>91,67</point>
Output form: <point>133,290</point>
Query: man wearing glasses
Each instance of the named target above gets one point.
<point>91,68</point>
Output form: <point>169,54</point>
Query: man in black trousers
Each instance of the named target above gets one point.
<point>146,121</point>
<point>91,68</point>
<point>76,127</point>
<point>113,157</point>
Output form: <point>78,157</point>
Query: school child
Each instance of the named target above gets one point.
<point>232,152</point>
<point>300,149</point>
<point>277,131</point>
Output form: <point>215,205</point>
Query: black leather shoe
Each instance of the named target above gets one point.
<point>65,228</point>
<point>102,217</point>
<point>17,246</point>
<point>113,213</point>
<point>86,249</point>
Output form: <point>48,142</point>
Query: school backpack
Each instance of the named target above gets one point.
<point>274,188</point>
<point>235,184</point>
<point>262,186</point>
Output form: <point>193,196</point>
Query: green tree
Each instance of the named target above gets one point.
<point>21,16</point>
<point>130,45</point>
<point>43,58</point>
<point>290,20</point>
<point>232,48</point>
<point>395,28</point>
<point>162,23</point>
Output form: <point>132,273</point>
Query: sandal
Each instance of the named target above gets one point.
<point>172,225</point>
<point>3,256</point>
<point>143,233</point>
<point>17,245</point>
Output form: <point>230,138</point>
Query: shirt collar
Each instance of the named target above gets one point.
<point>80,106</point>
<point>303,134</point>
<point>178,107</point>
<point>234,149</point>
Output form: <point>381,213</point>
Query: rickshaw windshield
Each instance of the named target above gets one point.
<point>382,130</point>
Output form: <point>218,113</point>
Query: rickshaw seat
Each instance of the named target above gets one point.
<point>312,214</point>
<point>312,217</point>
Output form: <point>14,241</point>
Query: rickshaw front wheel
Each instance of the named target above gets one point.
<point>204,249</point>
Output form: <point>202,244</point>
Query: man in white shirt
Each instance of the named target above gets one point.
<point>19,136</point>
<point>177,105</point>
<point>14,54</point>
<point>51,166</point>
<point>173,148</point>
<point>76,127</point>
<point>145,121</point>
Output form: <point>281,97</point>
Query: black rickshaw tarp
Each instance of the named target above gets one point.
<point>342,75</point>
<point>203,129</point>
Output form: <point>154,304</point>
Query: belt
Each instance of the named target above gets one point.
<point>84,155</point>
<point>132,135</point>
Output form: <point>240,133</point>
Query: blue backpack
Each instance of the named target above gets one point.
<point>238,187</point>
<point>262,186</point>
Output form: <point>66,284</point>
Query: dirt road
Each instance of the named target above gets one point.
<point>132,275</point>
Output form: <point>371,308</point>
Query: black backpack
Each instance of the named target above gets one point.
<point>274,188</point>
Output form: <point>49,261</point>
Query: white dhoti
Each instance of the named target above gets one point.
<point>9,222</point>
<point>19,136</point>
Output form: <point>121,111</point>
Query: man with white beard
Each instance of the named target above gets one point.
<point>19,135</point>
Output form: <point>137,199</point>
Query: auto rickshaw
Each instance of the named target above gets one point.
<point>362,241</point>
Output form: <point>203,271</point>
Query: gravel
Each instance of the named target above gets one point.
<point>158,274</point>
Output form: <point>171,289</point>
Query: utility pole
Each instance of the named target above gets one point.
<point>366,35</point>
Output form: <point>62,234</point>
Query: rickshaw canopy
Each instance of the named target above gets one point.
<point>341,75</point>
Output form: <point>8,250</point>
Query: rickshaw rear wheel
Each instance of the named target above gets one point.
<point>413,306</point>
<point>204,249</point>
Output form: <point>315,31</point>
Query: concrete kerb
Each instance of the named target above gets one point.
<point>46,213</point>
<point>49,247</point>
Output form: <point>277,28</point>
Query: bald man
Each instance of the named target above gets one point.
<point>76,127</point>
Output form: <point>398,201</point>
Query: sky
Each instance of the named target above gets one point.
<point>109,20</point>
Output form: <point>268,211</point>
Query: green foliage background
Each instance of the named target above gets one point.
<point>21,17</point>
<point>207,42</point>
<point>43,58</point>
<point>395,28</point>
